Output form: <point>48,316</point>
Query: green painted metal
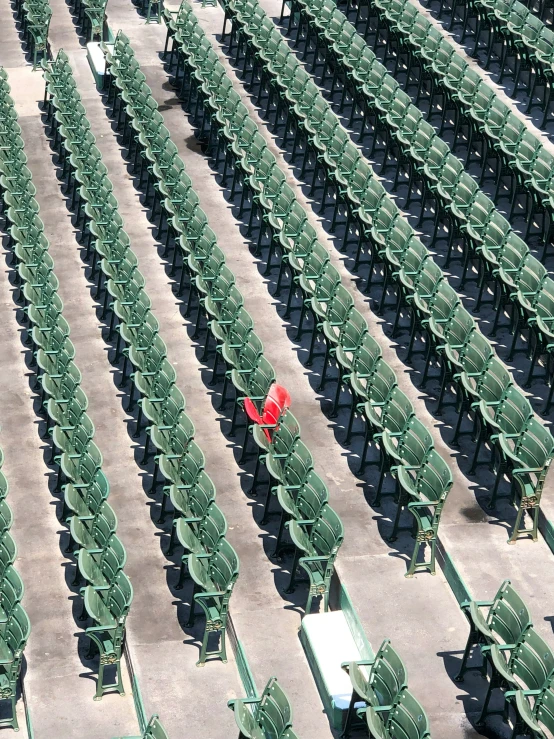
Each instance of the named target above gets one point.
<point>137,695</point>
<point>362,642</point>
<point>30,732</point>
<point>453,577</point>
<point>245,673</point>
<point>546,527</point>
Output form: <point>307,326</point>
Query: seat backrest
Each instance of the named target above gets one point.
<point>276,403</point>
<point>11,590</point>
<point>397,411</point>
<point>383,381</point>
<point>298,465</point>
<point>119,596</point>
<point>287,433</point>
<point>544,708</point>
<point>495,381</point>
<point>477,355</point>
<point>223,567</point>
<point>113,559</point>
<point>8,552</point>
<point>366,356</point>
<point>460,328</point>
<point>261,378</point>
<point>274,712</point>
<point>327,533</point>
<point>340,306</point>
<point>532,661</point>
<point>212,528</point>
<point>407,718</point>
<point>155,730</point>
<point>311,497</point>
<point>388,675</point>
<point>535,449</point>
<point>18,629</point>
<point>513,412</point>
<point>415,443</point>
<point>434,481</point>
<point>508,616</point>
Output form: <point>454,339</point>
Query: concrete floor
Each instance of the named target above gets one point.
<point>421,615</point>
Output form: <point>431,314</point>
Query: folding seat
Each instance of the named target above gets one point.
<point>529,461</point>
<point>298,251</point>
<point>266,420</point>
<point>214,578</point>
<point>127,291</point>
<point>72,430</point>
<point>390,96</point>
<point>313,269</point>
<point>55,365</point>
<point>478,217</point>
<point>139,334</point>
<point>177,469</point>
<point>364,366</point>
<point>427,490</point>
<point>267,715</point>
<point>288,460</point>
<point>469,87</point>
<point>457,335</point>
<point>83,500</point>
<point>441,310</point>
<point>538,716</point>
<point>316,549</point>
<point>406,717</point>
<point>375,682</point>
<point>83,467</point>
<point>154,730</point>
<point>384,220</point>
<point>147,361</point>
<point>350,341</point>
<point>512,133</point>
<point>360,181</point>
<point>240,361</point>
<point>199,537</point>
<point>394,420</point>
<point>164,395</point>
<point>278,448</point>
<point>504,622</point>
<point>463,197</point>
<point>254,385</point>
<point>108,610</point>
<point>380,388</point>
<point>529,665</point>
<point>92,531</point>
<point>401,117</point>
<point>526,152</point>
<point>6,517</point>
<point>410,264</point>
<point>305,503</point>
<point>11,593</point>
<point>454,74</point>
<point>397,242</point>
<point>100,568</point>
<point>531,279</point>
<point>12,645</point>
